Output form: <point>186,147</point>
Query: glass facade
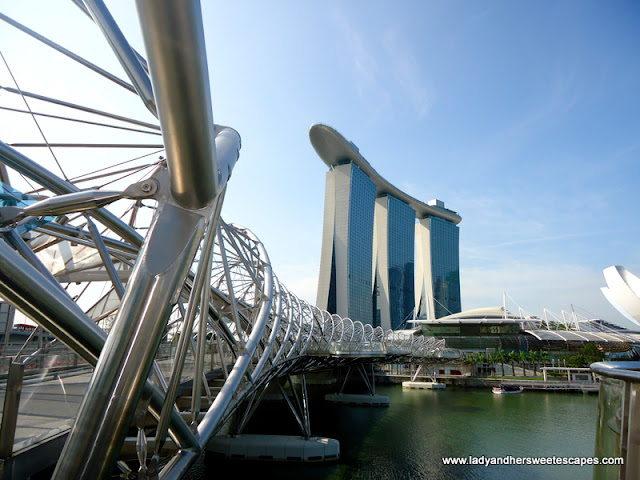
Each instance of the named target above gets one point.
<point>383,294</point>
<point>401,246</point>
<point>470,329</point>
<point>445,266</point>
<point>361,209</point>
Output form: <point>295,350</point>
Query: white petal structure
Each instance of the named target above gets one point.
<point>623,292</point>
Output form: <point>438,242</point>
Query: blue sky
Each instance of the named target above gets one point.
<point>524,117</point>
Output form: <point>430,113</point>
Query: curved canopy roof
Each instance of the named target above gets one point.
<point>334,150</point>
<point>493,315</point>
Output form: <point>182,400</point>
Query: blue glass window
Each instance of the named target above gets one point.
<point>445,267</point>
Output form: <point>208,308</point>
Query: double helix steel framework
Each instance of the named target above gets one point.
<point>147,283</point>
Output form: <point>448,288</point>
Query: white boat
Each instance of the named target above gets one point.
<point>506,390</point>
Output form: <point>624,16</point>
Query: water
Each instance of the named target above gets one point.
<point>408,439</point>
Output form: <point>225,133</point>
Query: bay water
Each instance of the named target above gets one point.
<point>410,438</point>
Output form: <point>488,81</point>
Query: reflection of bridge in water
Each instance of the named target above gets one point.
<point>186,327</point>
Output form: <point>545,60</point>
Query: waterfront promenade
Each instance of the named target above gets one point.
<point>387,375</point>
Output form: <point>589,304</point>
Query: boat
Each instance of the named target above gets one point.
<point>504,389</point>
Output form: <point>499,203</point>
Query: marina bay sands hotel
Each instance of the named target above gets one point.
<point>378,263</point>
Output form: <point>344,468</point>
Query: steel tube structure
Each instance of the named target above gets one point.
<point>262,331</point>
<point>82,108</point>
<point>174,39</point>
<point>106,259</point>
<point>23,249</point>
<point>125,54</point>
<point>25,287</point>
<point>32,170</point>
<point>68,53</point>
<point>105,414</point>
<point>28,290</point>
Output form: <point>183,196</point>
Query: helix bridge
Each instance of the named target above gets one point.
<point>179,312</point>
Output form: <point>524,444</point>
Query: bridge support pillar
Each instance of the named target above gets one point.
<point>298,405</point>
<point>368,376</point>
<point>304,448</point>
<point>275,448</point>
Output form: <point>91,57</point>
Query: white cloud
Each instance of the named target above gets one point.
<point>406,73</point>
<point>364,66</point>
<point>384,69</point>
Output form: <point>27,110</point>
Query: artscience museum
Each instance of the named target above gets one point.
<point>623,292</point>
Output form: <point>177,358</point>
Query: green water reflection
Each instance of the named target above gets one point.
<point>409,439</point>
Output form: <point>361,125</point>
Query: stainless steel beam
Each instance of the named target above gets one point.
<point>27,289</point>
<point>68,53</point>
<point>155,146</point>
<point>121,373</point>
<point>211,421</point>
<point>4,175</point>
<point>205,265</point>
<point>80,4</point>
<point>202,276</point>
<point>32,170</point>
<point>82,108</point>
<point>125,54</point>
<point>275,329</point>
<point>23,249</point>
<point>106,258</point>
<point>174,40</point>
<point>121,248</point>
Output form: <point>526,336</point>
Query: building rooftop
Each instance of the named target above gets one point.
<point>335,150</point>
<point>481,315</point>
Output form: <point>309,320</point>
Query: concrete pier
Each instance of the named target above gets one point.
<point>355,399</point>
<point>275,447</point>
<point>424,385</point>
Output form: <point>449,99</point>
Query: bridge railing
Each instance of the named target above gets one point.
<point>618,430</point>
<point>49,379</point>
<point>350,349</point>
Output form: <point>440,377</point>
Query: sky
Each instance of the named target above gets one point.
<point>523,117</point>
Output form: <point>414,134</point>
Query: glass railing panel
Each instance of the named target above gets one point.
<point>618,431</point>
<point>609,429</point>
<point>51,388</point>
<point>632,464</point>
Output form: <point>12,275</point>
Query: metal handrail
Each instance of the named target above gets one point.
<point>628,371</point>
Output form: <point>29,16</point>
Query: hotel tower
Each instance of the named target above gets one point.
<point>386,257</point>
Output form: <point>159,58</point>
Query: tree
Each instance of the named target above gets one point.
<point>493,359</point>
<point>589,354</point>
<point>532,358</point>
<point>522,357</point>
<point>501,357</point>
<point>592,353</point>
<point>481,358</point>
<point>471,359</point>
<point>512,358</point>
<point>544,356</point>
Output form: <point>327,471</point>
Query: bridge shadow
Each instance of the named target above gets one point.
<point>348,424</point>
